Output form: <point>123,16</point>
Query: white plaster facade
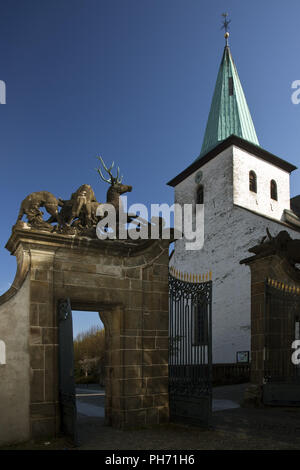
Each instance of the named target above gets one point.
<point>243,163</point>
<point>234,221</point>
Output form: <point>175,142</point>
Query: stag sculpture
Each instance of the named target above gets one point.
<point>115,190</point>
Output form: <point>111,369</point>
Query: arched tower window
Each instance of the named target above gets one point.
<point>273,190</point>
<point>200,195</point>
<point>252,182</point>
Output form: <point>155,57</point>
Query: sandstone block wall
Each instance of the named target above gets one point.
<point>127,283</point>
<point>277,268</point>
<point>15,373</point>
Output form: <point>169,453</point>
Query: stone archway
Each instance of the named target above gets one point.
<point>127,281</point>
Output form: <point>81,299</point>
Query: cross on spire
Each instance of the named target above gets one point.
<point>225,26</point>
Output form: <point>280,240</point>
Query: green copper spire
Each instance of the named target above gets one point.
<point>229,112</point>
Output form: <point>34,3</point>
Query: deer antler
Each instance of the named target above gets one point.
<point>119,180</point>
<point>112,179</point>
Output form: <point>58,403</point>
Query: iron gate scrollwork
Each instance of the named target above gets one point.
<point>282,321</point>
<point>190,350</point>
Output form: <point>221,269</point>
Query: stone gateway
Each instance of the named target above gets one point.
<point>125,281</point>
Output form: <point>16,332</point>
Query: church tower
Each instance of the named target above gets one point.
<point>245,189</point>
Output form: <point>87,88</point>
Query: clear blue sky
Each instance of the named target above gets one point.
<point>132,80</point>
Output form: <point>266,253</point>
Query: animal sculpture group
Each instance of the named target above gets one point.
<point>77,215</point>
<point>282,244</point>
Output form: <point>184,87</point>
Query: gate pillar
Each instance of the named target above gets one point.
<point>276,260</point>
<point>125,281</point>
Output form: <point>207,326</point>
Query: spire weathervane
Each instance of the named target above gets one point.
<point>225,26</point>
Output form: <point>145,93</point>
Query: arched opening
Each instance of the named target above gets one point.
<point>200,195</point>
<point>252,181</point>
<point>89,371</point>
<point>273,190</point>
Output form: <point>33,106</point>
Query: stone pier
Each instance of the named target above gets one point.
<point>125,281</point>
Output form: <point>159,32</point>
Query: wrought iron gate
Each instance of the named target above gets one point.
<point>282,328</point>
<point>67,395</point>
<point>190,349</point>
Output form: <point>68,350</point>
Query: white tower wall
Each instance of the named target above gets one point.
<point>229,231</point>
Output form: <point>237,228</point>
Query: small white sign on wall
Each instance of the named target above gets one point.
<point>2,353</point>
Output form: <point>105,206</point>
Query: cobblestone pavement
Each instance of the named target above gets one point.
<point>236,428</point>
<point>239,428</point>
<point>232,429</point>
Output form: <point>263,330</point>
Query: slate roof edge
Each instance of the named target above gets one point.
<point>238,142</point>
